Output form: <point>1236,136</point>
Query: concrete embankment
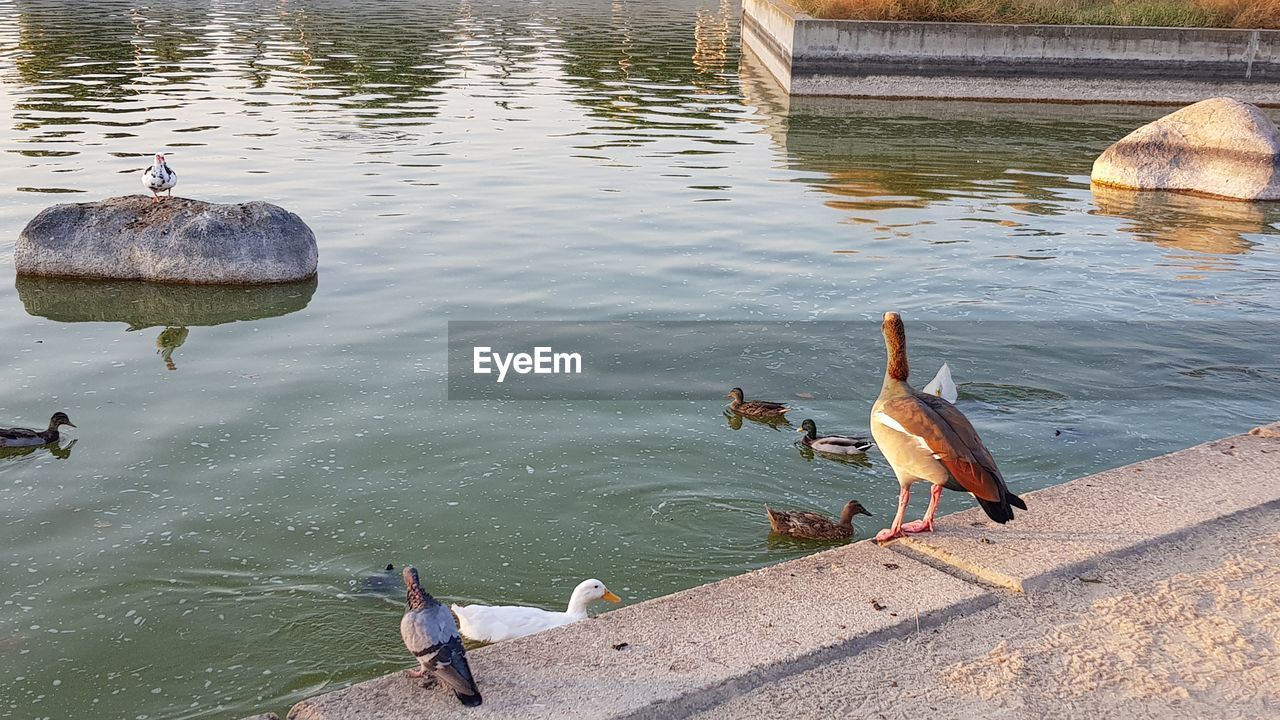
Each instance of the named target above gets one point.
<point>1047,63</point>
<point>725,647</point>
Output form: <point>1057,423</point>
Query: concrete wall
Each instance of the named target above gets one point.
<point>1059,62</point>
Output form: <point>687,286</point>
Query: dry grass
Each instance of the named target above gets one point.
<point>1164,13</point>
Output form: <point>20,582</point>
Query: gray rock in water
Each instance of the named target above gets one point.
<point>178,241</point>
<point>1219,146</point>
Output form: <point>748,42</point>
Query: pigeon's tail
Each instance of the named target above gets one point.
<point>453,670</point>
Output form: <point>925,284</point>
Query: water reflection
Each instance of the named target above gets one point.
<point>176,308</point>
<point>170,339</point>
<point>1204,232</point>
<point>56,449</point>
<point>778,424</point>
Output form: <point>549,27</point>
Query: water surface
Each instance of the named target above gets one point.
<point>243,456</point>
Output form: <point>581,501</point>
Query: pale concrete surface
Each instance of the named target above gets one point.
<point>840,627</point>
<point>676,654</point>
<point>1071,525</point>
<point>809,56</point>
<point>1187,629</point>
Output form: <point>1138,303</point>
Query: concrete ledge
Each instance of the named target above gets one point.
<point>678,655</point>
<point>1072,526</point>
<point>810,56</point>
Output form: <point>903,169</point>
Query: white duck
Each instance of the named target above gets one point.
<point>159,177</point>
<point>494,623</point>
<point>942,385</point>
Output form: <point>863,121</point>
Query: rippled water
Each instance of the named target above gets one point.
<point>243,456</point>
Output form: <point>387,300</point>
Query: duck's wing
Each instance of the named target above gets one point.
<point>951,438</point>
<point>763,406</point>
<point>942,385</point>
<point>794,521</point>
<point>850,441</point>
<point>20,436</point>
<point>495,623</point>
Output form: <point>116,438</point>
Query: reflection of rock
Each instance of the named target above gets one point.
<point>142,305</point>
<point>178,240</point>
<point>1185,222</point>
<point>1219,146</point>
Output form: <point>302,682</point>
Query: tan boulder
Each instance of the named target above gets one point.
<point>1219,146</point>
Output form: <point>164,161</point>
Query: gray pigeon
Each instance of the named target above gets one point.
<point>431,634</point>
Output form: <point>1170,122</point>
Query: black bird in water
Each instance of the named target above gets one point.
<point>22,437</point>
<point>431,634</point>
<point>379,582</point>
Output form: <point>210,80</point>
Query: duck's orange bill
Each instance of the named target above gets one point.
<point>611,597</point>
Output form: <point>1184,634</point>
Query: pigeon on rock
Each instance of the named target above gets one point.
<point>431,634</point>
<point>159,178</point>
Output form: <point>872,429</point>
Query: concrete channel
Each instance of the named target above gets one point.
<point>1040,63</point>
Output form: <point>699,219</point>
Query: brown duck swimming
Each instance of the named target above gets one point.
<point>925,438</point>
<point>813,526</point>
<point>756,408</point>
<point>21,437</point>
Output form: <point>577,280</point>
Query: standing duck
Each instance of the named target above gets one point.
<point>924,437</point>
<point>812,526</point>
<point>431,635</point>
<point>832,444</point>
<point>494,623</point>
<point>159,178</point>
<point>756,408</point>
<point>21,437</point>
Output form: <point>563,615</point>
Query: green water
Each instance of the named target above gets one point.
<point>243,457</point>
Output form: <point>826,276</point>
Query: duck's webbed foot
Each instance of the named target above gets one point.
<point>415,674</point>
<point>888,534</point>
<point>918,526</point>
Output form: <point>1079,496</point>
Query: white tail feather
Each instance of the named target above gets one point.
<point>942,385</point>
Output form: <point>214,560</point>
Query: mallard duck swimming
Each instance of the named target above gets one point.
<point>159,178</point>
<point>494,623</point>
<point>21,437</point>
<point>755,408</point>
<point>925,437</point>
<point>832,444</point>
<point>813,526</point>
<point>431,635</point>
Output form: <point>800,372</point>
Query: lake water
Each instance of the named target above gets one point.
<point>244,456</point>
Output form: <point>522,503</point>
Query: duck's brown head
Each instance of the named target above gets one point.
<point>58,420</point>
<point>851,508</point>
<point>895,344</point>
<point>736,394</point>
